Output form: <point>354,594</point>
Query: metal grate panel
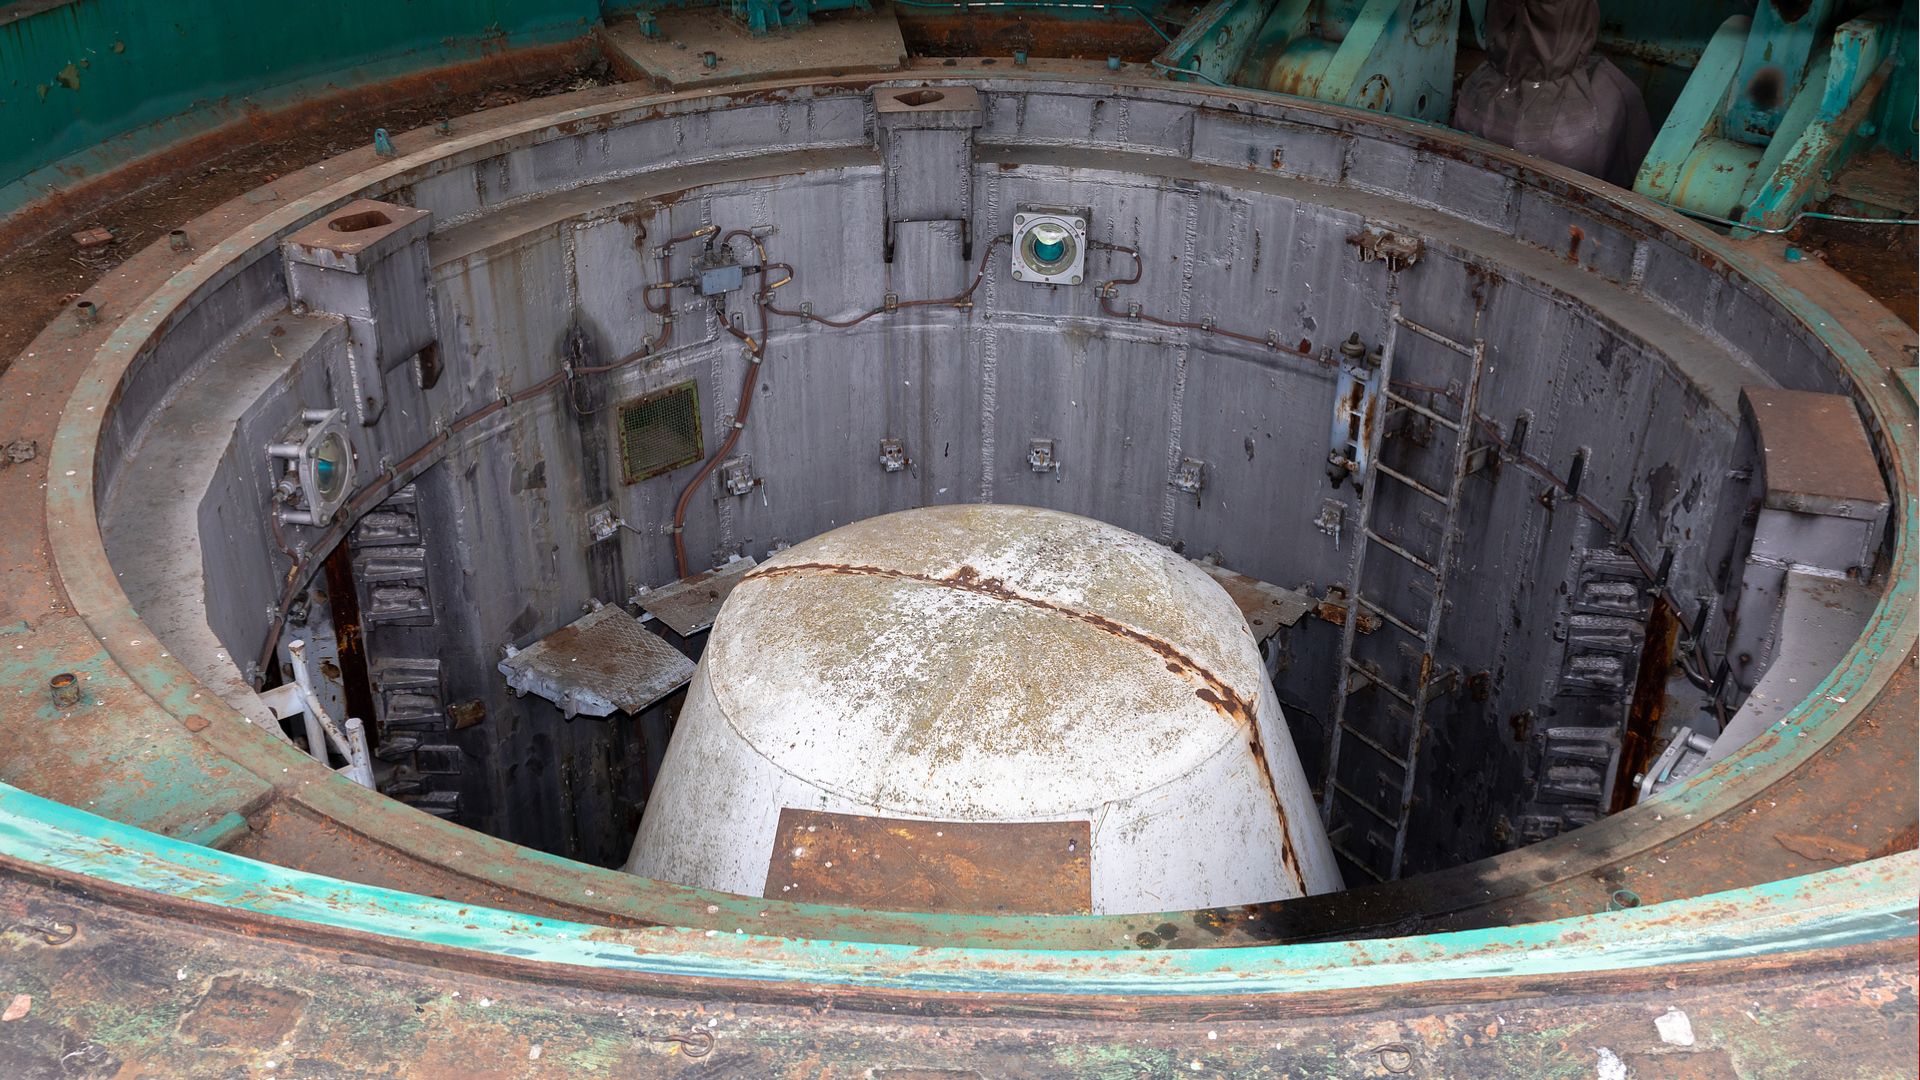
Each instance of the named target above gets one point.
<point>660,432</point>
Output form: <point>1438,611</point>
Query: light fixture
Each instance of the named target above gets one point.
<point>319,470</point>
<point>1049,246</point>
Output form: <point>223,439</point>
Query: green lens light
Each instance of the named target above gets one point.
<point>330,466</point>
<point>1048,246</point>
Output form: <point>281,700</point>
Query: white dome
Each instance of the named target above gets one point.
<point>983,663</point>
<point>986,664</point>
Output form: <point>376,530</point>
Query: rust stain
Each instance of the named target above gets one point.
<point>239,1013</point>
<point>1214,690</point>
<point>968,579</point>
<point>1822,848</point>
<point>1649,702</point>
<point>900,864</point>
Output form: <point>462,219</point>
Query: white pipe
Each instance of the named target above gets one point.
<point>351,743</point>
<point>359,760</point>
<point>316,739</point>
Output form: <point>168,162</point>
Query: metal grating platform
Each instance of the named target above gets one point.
<point>1268,607</point>
<point>690,604</point>
<point>599,663</point>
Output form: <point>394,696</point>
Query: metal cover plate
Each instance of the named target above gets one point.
<point>957,867</point>
<point>1267,607</point>
<point>689,605</point>
<point>601,662</point>
<point>1818,459</point>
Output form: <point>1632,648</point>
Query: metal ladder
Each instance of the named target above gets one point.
<point>1355,675</point>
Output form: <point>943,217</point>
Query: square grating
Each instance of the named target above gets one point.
<point>660,432</point>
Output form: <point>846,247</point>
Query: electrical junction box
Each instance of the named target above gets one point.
<point>721,278</point>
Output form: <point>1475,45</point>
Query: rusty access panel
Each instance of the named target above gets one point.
<point>957,867</point>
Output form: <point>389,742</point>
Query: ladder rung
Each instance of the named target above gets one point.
<point>1364,804</point>
<point>1379,679</point>
<point>1414,484</point>
<point>1396,620</point>
<point>1434,335</point>
<point>1357,861</point>
<point>1374,744</point>
<point>1402,552</point>
<point>1447,422</point>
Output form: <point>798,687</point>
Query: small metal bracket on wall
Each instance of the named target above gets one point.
<point>893,455</point>
<point>1190,476</point>
<point>1356,408</point>
<point>1332,517</point>
<point>602,523</point>
<point>1397,250</point>
<point>1040,456</point>
<point>736,476</point>
<point>367,263</point>
<point>925,135</point>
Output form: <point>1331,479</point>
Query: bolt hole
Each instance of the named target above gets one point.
<point>1767,89</point>
<point>365,219</point>
<point>1622,899</point>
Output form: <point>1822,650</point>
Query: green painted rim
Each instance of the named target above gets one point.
<point>1858,904</point>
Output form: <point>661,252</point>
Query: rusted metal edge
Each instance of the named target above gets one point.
<point>1865,904</point>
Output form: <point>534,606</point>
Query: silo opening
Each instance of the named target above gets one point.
<point>1494,541</point>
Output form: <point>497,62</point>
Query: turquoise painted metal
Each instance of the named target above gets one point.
<point>1865,902</point>
<point>1770,113</point>
<point>1391,56</point>
<point>763,16</point>
<point>1897,122</point>
<point>88,85</point>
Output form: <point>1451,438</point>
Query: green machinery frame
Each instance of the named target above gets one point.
<point>1774,110</point>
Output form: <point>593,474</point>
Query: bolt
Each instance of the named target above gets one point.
<point>177,240</point>
<point>710,60</point>
<point>89,311</point>
<point>1352,349</point>
<point>1020,57</point>
<point>442,126</point>
<point>66,690</point>
<point>382,144</point>
<point>1113,63</point>
<point>1794,254</point>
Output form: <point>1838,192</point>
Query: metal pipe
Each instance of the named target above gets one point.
<point>359,758</point>
<point>316,735</point>
<point>351,743</point>
<point>1791,222</point>
<point>1170,70</point>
